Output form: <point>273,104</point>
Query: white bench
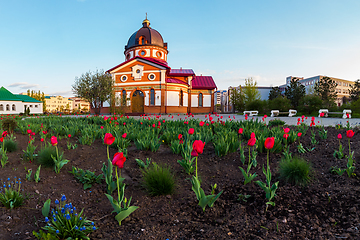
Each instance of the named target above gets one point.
<point>251,113</point>
<point>344,112</point>
<point>275,113</point>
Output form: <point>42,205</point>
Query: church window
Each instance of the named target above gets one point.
<point>123,97</point>
<point>151,76</point>
<point>1,107</point>
<point>142,53</point>
<point>128,56</point>
<point>181,98</point>
<point>7,107</point>
<point>158,54</point>
<point>152,97</point>
<point>138,71</point>
<point>200,99</point>
<point>13,107</point>
<point>123,78</point>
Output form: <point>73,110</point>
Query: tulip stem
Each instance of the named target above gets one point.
<point>108,151</point>
<point>268,159</point>
<point>249,155</point>
<point>196,168</point>
<point>117,183</point>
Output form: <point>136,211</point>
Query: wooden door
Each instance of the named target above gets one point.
<point>137,102</point>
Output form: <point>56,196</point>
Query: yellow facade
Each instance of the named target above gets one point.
<point>58,104</point>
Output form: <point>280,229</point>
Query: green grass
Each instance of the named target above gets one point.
<point>297,171</point>
<point>158,180</point>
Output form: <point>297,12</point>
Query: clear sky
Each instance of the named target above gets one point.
<point>45,44</point>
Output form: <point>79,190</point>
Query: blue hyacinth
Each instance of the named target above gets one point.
<point>56,201</point>
<point>57,231</point>
<point>46,219</point>
<point>68,217</point>
<point>63,198</point>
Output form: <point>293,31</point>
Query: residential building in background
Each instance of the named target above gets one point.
<point>17,103</point>
<point>58,104</point>
<point>79,104</point>
<point>342,89</point>
<point>221,101</point>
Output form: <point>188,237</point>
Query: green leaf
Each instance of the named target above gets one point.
<point>46,208</point>
<point>87,185</point>
<point>124,214</point>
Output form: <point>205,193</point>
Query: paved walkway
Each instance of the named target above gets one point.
<point>288,120</point>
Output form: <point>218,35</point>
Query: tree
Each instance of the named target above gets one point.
<point>326,89</point>
<point>94,87</point>
<point>251,93</point>
<point>38,96</point>
<point>237,99</point>
<point>295,92</point>
<point>275,92</point>
<point>355,91</point>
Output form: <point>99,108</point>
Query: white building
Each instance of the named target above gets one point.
<point>16,103</point>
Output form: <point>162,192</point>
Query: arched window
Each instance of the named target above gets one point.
<point>13,107</point>
<point>181,98</point>
<point>1,107</point>
<point>200,99</point>
<point>123,97</point>
<point>7,107</point>
<point>152,97</point>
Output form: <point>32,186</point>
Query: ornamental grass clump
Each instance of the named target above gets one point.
<point>44,156</point>
<point>296,171</point>
<point>158,180</point>
<point>64,222</point>
<point>10,145</point>
<point>10,195</point>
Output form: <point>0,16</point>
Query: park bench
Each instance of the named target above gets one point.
<point>251,113</point>
<point>275,113</point>
<point>345,113</point>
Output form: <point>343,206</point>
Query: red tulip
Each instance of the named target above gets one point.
<point>312,118</point>
<point>181,141</point>
<point>191,131</point>
<point>153,125</point>
<point>53,141</point>
<point>241,130</point>
<point>269,142</point>
<point>251,142</point>
<point>322,114</point>
<point>349,133</point>
<point>265,116</point>
<point>119,160</point>
<point>179,136</point>
<point>201,123</point>
<point>198,146</point>
<point>41,139</point>
<point>69,136</point>
<point>109,139</point>
<point>286,136</point>
<point>124,135</point>
<point>286,130</point>
<point>4,134</point>
<point>29,131</point>
<point>2,139</point>
<point>339,136</point>
<point>44,132</point>
<point>299,134</point>
<point>252,135</point>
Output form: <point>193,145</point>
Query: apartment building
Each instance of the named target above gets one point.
<point>58,104</point>
<point>80,104</point>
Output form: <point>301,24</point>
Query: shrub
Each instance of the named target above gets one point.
<point>296,171</point>
<point>44,156</point>
<point>10,145</point>
<point>280,103</point>
<point>310,103</point>
<point>158,180</point>
<point>258,105</point>
<point>9,124</point>
<point>276,122</point>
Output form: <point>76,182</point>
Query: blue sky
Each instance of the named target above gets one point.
<point>45,44</point>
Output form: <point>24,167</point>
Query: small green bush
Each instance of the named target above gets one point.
<point>10,145</point>
<point>158,180</point>
<point>276,122</point>
<point>296,171</point>
<point>9,124</point>
<point>44,156</point>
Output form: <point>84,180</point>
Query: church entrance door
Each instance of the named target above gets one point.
<point>137,102</point>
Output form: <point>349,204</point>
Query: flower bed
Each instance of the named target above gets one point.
<point>327,207</point>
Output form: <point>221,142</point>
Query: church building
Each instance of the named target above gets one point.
<point>144,83</point>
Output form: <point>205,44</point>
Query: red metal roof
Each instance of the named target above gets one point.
<point>181,72</point>
<point>174,80</point>
<point>203,82</point>
<point>137,57</point>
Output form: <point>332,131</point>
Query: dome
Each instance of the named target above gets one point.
<point>145,36</point>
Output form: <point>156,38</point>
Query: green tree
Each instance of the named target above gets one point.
<point>94,87</point>
<point>326,89</point>
<point>237,99</point>
<point>355,91</point>
<point>295,92</point>
<point>275,92</point>
<point>310,104</point>
<point>251,93</point>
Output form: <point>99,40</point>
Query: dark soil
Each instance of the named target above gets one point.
<point>327,209</point>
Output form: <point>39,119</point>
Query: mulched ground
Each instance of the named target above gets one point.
<point>327,209</point>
